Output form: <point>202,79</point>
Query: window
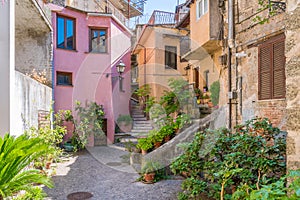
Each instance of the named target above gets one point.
<point>64,78</point>
<point>98,42</point>
<point>202,7</point>
<point>65,33</point>
<point>171,57</point>
<point>271,69</point>
<point>206,75</point>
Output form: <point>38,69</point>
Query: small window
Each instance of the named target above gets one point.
<point>202,7</point>
<point>271,69</point>
<point>171,57</point>
<point>64,78</point>
<point>98,41</point>
<point>65,33</point>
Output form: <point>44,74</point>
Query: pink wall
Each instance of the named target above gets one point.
<point>93,72</point>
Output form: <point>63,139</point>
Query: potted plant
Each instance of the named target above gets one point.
<point>198,92</point>
<point>167,132</point>
<point>125,123</point>
<point>206,98</point>
<point>156,137</point>
<point>149,169</point>
<point>144,144</point>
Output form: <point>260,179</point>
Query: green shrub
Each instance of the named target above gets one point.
<point>215,92</point>
<point>125,119</point>
<point>253,154</point>
<point>144,144</point>
<point>16,156</point>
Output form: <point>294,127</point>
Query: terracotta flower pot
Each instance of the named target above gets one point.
<point>149,177</point>
<point>144,152</point>
<point>167,138</point>
<point>157,145</point>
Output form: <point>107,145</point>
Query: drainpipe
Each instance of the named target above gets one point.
<point>230,46</point>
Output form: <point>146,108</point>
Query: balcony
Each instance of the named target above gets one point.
<point>206,30</point>
<point>162,18</point>
<point>129,8</point>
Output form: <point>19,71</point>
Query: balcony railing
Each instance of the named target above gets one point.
<point>137,4</point>
<point>162,18</point>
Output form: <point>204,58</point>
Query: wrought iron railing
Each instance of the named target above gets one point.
<point>162,18</point>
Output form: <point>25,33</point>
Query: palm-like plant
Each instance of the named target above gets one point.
<point>16,154</point>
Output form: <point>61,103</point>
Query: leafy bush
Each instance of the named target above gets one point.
<point>253,155</point>
<point>144,144</point>
<point>215,92</point>
<point>126,119</point>
<point>90,121</point>
<point>16,155</point>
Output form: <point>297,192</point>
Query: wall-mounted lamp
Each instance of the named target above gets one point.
<point>120,69</point>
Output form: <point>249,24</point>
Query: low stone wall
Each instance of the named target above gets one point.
<point>170,150</point>
<point>32,102</point>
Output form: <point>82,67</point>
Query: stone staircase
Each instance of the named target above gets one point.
<point>140,127</point>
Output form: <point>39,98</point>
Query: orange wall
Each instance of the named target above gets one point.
<point>200,33</point>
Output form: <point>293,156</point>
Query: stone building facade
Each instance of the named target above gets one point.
<point>257,62</point>
<point>293,83</point>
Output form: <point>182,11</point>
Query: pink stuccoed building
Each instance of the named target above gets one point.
<point>89,41</point>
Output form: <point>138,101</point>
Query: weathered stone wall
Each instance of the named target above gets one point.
<point>293,83</point>
<point>248,34</point>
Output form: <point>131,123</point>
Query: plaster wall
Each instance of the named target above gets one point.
<point>93,73</point>
<point>7,65</point>
<point>31,97</point>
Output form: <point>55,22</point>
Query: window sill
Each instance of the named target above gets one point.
<point>71,50</point>
<point>265,100</point>
<point>90,52</point>
<point>69,86</point>
<point>170,68</point>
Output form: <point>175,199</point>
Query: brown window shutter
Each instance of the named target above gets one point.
<point>279,69</point>
<point>264,72</point>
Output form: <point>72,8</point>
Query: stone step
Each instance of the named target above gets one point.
<point>140,119</point>
<point>142,122</point>
<point>142,127</point>
<point>128,139</point>
<point>138,116</point>
<point>139,131</point>
<point>139,135</point>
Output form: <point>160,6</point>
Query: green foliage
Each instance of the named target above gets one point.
<point>198,92</point>
<point>149,103</point>
<point>143,93</point>
<point>193,188</point>
<point>35,193</point>
<point>177,98</point>
<point>155,136</point>
<point>90,121</point>
<point>144,144</point>
<point>150,167</point>
<point>16,154</point>
<point>124,119</point>
<point>181,121</point>
<point>264,5</point>
<point>250,156</point>
<point>215,92</point>
<point>50,136</point>
<point>170,102</point>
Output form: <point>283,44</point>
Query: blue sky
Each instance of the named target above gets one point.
<point>164,5</point>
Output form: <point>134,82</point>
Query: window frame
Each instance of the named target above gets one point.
<point>91,30</point>
<point>65,32</point>
<point>270,43</point>
<point>69,74</point>
<point>203,8</point>
<point>168,53</point>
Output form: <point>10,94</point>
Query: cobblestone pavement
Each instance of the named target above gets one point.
<point>86,172</point>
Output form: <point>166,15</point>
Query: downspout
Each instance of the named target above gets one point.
<point>230,46</point>
<point>53,83</point>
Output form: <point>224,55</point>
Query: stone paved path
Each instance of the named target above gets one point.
<point>88,172</point>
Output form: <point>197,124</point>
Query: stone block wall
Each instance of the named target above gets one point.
<point>293,83</point>
<point>248,35</point>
